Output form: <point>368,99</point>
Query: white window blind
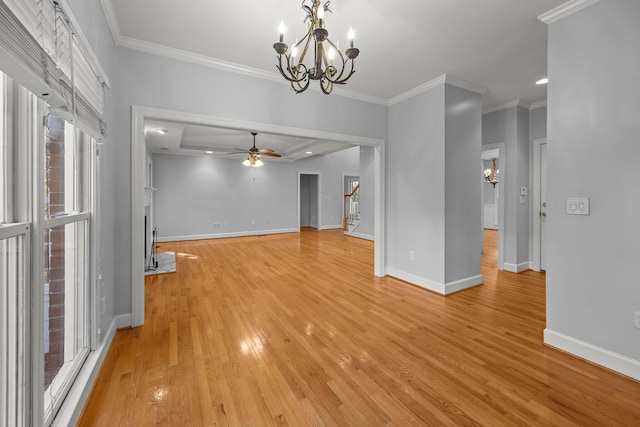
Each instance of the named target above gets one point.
<point>41,49</point>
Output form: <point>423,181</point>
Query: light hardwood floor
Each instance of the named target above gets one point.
<point>295,330</point>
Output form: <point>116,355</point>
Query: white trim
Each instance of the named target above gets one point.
<point>462,284</point>
<point>8,231</point>
<point>112,20</point>
<point>516,268</point>
<point>510,104</point>
<point>330,227</point>
<point>598,355</point>
<point>564,10</point>
<point>417,280</point>
<point>535,204</point>
<point>66,219</point>
<point>440,288</point>
<point>74,401</point>
<point>226,235</point>
<point>440,80</point>
<point>362,236</point>
<point>138,166</point>
<point>539,104</point>
<point>462,84</point>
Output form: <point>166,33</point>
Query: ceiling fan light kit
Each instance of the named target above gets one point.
<point>330,66</point>
<point>254,154</point>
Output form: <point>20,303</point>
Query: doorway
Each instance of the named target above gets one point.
<point>492,196</point>
<point>140,114</point>
<point>309,200</point>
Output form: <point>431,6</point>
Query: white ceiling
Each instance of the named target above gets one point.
<point>497,44</point>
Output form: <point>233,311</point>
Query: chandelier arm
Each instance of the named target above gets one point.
<point>340,80</point>
<point>335,69</point>
<point>300,88</point>
<point>292,77</point>
<point>326,86</point>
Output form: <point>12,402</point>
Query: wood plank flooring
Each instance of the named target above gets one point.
<point>294,330</point>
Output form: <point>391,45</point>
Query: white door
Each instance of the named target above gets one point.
<point>543,206</point>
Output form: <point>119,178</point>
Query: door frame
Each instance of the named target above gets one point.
<point>319,195</point>
<point>500,147</point>
<point>138,116</point>
<point>535,205</point>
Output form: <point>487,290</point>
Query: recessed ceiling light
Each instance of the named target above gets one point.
<point>542,81</point>
<point>163,131</point>
<point>309,152</point>
<point>209,152</point>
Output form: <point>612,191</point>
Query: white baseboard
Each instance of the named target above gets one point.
<point>517,268</point>
<point>225,235</point>
<point>462,284</point>
<point>600,356</point>
<point>441,288</point>
<point>122,321</point>
<point>71,408</point>
<point>361,236</point>
<point>330,227</point>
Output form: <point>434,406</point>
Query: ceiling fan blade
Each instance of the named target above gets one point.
<point>266,150</point>
<point>270,154</point>
<point>236,152</point>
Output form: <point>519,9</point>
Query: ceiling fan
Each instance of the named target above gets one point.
<point>254,154</point>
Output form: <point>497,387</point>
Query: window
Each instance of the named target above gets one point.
<point>45,257</point>
<point>47,202</point>
<point>67,182</point>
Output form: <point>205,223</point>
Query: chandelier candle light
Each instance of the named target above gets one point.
<point>326,53</point>
<point>488,177</point>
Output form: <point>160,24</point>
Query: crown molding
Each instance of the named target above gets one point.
<point>564,10</point>
<point>112,20</point>
<point>443,79</point>
<point>462,84</point>
<point>539,104</point>
<point>207,61</point>
<point>510,104</point>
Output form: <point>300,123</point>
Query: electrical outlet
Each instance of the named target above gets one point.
<point>636,319</point>
<point>412,256</point>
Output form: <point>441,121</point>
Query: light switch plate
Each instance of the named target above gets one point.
<point>578,206</point>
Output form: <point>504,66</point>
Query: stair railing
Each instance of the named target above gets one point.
<point>351,207</point>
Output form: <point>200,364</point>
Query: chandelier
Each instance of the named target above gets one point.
<point>329,66</point>
<point>491,175</point>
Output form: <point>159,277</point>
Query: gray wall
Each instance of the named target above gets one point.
<point>433,186</point>
<point>415,211</point>
<point>593,151</point>
<point>154,81</point>
<point>95,28</point>
<point>204,196</point>
<point>463,210</point>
